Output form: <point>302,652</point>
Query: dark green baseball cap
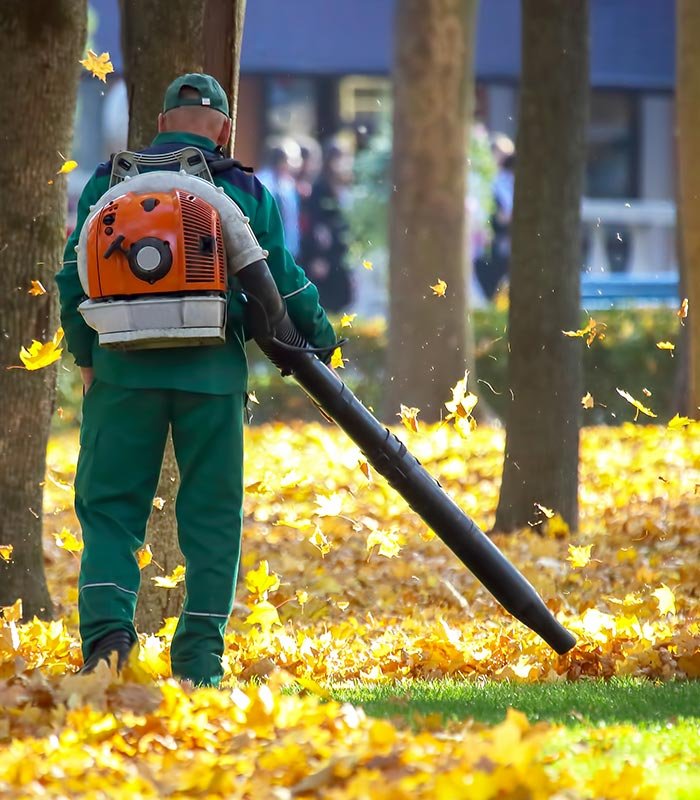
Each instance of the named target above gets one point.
<point>211,95</point>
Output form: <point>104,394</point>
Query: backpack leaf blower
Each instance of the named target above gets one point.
<point>154,257</point>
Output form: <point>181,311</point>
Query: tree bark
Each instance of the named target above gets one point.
<point>688,137</point>
<point>162,39</point>
<point>41,42</point>
<point>542,435</point>
<point>429,336</point>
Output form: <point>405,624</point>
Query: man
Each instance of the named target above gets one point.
<point>131,399</point>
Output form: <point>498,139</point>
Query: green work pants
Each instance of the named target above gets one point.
<point>122,440</point>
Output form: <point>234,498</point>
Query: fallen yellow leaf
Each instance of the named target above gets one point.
<point>66,167</point>
<point>346,320</point>
<point>409,417</point>
<point>100,66</point>
<point>172,580</point>
<point>636,404</point>
<point>666,600</point>
<point>37,289</point>
<point>439,288</point>
<point>6,552</point>
<point>579,556</point>
<point>41,355</point>
<point>263,614</point>
<point>587,400</point>
<point>337,359</point>
<point>68,541</point>
<point>144,556</point>
<point>260,581</point>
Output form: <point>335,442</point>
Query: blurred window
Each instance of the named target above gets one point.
<point>613,145</point>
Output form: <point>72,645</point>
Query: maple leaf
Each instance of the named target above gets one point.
<point>346,320</point>
<point>666,345</point>
<point>439,288</point>
<point>678,423</point>
<point>388,543</point>
<point>37,289</point>
<point>260,581</point>
<point>6,552</point>
<point>682,312</point>
<point>587,400</point>
<point>68,541</point>
<point>12,613</point>
<point>41,355</point>
<point>409,417</point>
<point>144,556</point>
<point>666,600</point>
<point>158,503</point>
<point>579,556</point>
<point>172,580</point>
<point>591,331</point>
<point>461,407</point>
<point>67,166</point>
<point>636,404</point>
<point>263,614</point>
<point>367,264</point>
<point>253,399</point>
<point>337,359</point>
<point>319,540</point>
<point>329,505</point>
<point>100,66</point>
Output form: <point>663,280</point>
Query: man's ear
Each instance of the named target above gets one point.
<point>162,123</point>
<point>225,133</point>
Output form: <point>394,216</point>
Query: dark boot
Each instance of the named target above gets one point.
<point>119,642</point>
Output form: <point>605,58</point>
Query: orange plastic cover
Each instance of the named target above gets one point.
<point>190,225</point>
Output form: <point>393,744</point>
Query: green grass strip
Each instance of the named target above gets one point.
<point>620,700</point>
<point>650,729</point>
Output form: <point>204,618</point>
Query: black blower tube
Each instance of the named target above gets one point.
<point>275,334</point>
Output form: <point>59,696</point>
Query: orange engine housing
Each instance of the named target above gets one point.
<point>155,243</point>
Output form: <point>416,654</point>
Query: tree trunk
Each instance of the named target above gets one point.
<point>41,42</point>
<point>429,337</point>
<point>542,438</point>
<point>223,33</point>
<point>688,127</point>
<point>161,40</point>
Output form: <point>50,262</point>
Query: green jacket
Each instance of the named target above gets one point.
<point>210,369</point>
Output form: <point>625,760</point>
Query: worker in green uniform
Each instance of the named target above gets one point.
<point>131,400</point>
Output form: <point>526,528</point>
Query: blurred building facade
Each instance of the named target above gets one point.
<point>320,67</point>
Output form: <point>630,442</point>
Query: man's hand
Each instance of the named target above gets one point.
<point>88,376</point>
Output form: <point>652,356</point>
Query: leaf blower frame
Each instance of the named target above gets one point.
<point>278,338</point>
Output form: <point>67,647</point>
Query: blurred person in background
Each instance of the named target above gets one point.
<point>324,245</point>
<point>492,267</point>
<point>311,158</point>
<point>282,160</point>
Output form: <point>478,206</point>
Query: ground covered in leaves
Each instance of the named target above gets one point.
<point>342,586</point>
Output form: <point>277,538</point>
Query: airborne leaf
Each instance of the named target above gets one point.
<point>37,289</point>
<point>39,355</point>
<point>172,580</point>
<point>100,66</point>
<point>636,404</point>
<point>439,288</point>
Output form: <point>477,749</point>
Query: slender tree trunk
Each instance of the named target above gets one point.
<point>542,439</point>
<point>161,40</point>
<point>223,33</point>
<point>688,127</point>
<point>429,337</point>
<point>41,42</point>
